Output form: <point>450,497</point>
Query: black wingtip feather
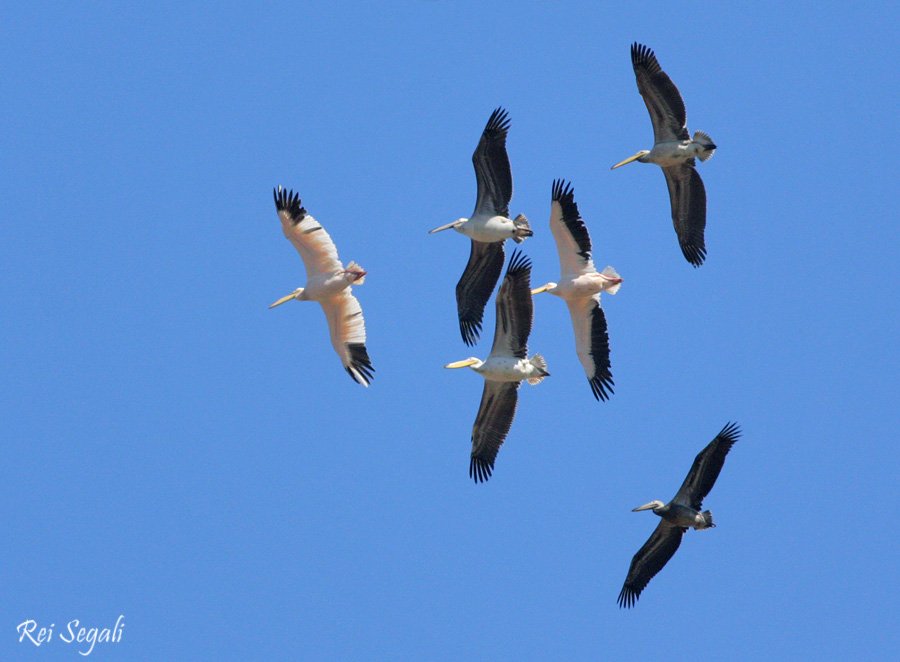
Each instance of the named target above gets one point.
<point>480,469</point>
<point>289,201</point>
<point>627,597</point>
<point>600,386</point>
<point>470,330</point>
<point>498,123</point>
<point>518,263</point>
<point>643,57</point>
<point>730,433</point>
<point>693,254</point>
<point>359,360</point>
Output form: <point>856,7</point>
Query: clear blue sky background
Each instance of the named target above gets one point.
<point>176,453</point>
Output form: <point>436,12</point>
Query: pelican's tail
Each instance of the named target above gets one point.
<point>359,274</point>
<point>709,148</point>
<point>707,519</point>
<point>609,272</point>
<point>523,230</point>
<point>540,366</point>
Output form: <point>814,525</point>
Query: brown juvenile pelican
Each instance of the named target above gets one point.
<point>674,150</point>
<point>328,282</point>
<point>489,227</point>
<point>505,367</point>
<point>678,515</point>
<point>580,286</point>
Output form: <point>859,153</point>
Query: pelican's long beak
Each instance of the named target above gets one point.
<point>443,227</point>
<point>542,288</point>
<point>283,300</point>
<point>462,364</point>
<point>646,506</point>
<point>629,160</point>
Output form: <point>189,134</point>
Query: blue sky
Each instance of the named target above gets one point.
<point>180,455</point>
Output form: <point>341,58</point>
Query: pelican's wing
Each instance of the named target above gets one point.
<point>306,233</point>
<point>688,197</point>
<point>661,97</point>
<point>706,468</point>
<point>495,186</point>
<point>515,309</point>
<point>650,559</point>
<point>592,343</point>
<point>495,417</point>
<point>348,335</point>
<point>476,286</point>
<point>572,239</point>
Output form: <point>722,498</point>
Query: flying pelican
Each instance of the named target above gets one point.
<point>580,285</point>
<point>488,228</point>
<point>674,151</point>
<point>504,368</point>
<point>328,282</point>
<point>678,515</point>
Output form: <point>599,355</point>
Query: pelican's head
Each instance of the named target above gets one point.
<point>455,225</point>
<point>653,505</point>
<point>549,287</point>
<point>470,362</point>
<point>296,294</point>
<point>637,157</point>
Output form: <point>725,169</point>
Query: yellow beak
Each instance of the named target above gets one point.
<point>282,300</point>
<point>628,160</point>
<point>462,364</point>
<point>542,288</point>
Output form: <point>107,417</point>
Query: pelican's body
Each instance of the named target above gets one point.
<point>674,150</point>
<point>329,283</point>
<point>504,369</point>
<point>580,285</point>
<point>680,514</point>
<point>488,228</point>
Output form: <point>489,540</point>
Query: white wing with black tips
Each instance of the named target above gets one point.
<point>592,344</point>
<point>307,235</point>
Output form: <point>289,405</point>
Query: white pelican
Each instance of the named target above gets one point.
<point>328,282</point>
<point>504,368</point>
<point>488,228</point>
<point>678,515</point>
<point>580,285</point>
<point>674,151</point>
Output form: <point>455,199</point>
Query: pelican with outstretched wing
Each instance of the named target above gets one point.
<point>329,283</point>
<point>488,228</point>
<point>504,368</point>
<point>580,286</point>
<point>674,151</point>
<point>677,516</point>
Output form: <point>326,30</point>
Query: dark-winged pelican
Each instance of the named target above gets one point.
<point>505,367</point>
<point>674,151</point>
<point>678,515</point>
<point>488,228</point>
<point>580,285</point>
<point>328,282</point>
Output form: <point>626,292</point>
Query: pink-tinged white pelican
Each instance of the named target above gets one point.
<point>505,367</point>
<point>678,515</point>
<point>328,282</point>
<point>674,151</point>
<point>580,286</point>
<point>488,228</point>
